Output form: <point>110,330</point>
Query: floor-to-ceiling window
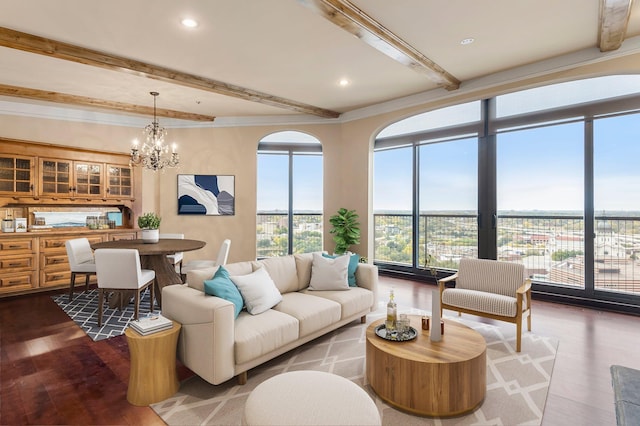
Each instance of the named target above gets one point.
<point>425,189</point>
<point>616,199</point>
<point>540,193</point>
<point>289,194</point>
<point>546,177</point>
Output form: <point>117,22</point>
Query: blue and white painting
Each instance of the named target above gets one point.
<point>211,195</point>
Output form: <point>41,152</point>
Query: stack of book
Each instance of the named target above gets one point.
<point>151,323</point>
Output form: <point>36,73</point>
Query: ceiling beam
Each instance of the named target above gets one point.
<point>59,50</point>
<point>355,21</point>
<point>614,18</point>
<point>63,98</point>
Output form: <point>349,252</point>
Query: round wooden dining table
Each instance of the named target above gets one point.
<point>152,256</point>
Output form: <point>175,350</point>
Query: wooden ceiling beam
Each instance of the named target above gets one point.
<point>614,18</point>
<point>65,51</point>
<point>350,18</point>
<point>64,98</point>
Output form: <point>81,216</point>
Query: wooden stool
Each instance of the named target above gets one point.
<point>153,376</point>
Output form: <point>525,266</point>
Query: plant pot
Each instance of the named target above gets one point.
<point>150,236</point>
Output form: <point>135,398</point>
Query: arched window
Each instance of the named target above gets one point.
<point>289,196</point>
<point>533,177</point>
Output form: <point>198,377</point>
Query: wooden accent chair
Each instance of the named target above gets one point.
<point>119,269</point>
<point>81,262</point>
<point>491,289</point>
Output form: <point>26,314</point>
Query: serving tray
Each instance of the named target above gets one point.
<point>381,331</point>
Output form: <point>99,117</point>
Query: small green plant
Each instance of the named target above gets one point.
<point>149,221</point>
<point>346,229</point>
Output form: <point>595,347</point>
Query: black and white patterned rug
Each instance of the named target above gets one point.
<point>83,310</point>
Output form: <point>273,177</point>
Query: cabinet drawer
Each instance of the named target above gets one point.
<point>16,282</point>
<point>54,261</point>
<point>53,243</point>
<point>11,263</point>
<point>10,245</point>
<point>123,236</point>
<point>55,278</point>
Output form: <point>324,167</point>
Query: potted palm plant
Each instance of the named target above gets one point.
<point>150,224</point>
<point>346,229</point>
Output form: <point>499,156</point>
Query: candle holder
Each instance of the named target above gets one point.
<point>426,324</point>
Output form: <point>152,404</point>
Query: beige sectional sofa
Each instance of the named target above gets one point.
<point>217,346</point>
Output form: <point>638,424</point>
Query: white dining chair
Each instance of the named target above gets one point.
<point>118,270</point>
<point>81,262</point>
<point>223,255</point>
<point>176,258</point>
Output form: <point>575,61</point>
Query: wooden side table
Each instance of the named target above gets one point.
<point>153,375</point>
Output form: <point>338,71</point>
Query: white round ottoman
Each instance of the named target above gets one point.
<point>309,398</point>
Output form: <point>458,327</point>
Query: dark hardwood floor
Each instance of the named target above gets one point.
<point>51,373</point>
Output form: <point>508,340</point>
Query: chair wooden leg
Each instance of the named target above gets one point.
<point>136,304</point>
<point>86,282</point>
<point>529,320</point>
<point>73,282</point>
<point>363,319</point>
<point>100,301</point>
<point>518,334</point>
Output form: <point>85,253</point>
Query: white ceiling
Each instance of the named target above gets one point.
<point>285,49</point>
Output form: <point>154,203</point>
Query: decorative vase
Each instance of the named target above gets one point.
<point>150,236</point>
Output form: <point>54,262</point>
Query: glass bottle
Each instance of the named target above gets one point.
<point>392,313</point>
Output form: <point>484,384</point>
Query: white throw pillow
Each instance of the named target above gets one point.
<point>258,291</point>
<point>329,274</point>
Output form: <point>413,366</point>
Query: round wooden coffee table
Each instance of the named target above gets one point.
<point>438,379</point>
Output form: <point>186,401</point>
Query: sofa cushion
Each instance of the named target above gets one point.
<point>354,260</point>
<point>312,312</point>
<point>329,273</point>
<point>258,291</point>
<point>240,268</point>
<point>257,335</point>
<point>282,270</point>
<point>222,286</point>
<point>303,267</point>
<point>196,277</point>
<point>351,302</point>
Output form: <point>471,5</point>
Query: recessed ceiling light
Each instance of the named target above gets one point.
<point>189,23</point>
<point>467,40</point>
<point>344,82</point>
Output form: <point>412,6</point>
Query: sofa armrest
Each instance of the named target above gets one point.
<point>367,277</point>
<point>206,344</point>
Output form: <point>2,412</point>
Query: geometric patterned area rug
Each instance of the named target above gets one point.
<point>83,310</point>
<point>517,383</point>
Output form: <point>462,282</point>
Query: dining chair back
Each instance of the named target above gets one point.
<point>175,258</point>
<point>81,262</point>
<point>221,259</point>
<point>119,270</point>
<point>223,253</point>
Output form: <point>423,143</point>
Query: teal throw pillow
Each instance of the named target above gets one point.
<point>222,286</point>
<point>353,265</point>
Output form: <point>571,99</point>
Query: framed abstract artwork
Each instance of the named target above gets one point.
<point>210,195</point>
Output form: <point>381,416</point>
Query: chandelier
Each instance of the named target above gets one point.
<point>154,154</point>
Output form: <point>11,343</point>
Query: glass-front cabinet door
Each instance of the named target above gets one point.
<point>16,174</point>
<point>119,181</point>
<point>88,179</point>
<point>55,177</point>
